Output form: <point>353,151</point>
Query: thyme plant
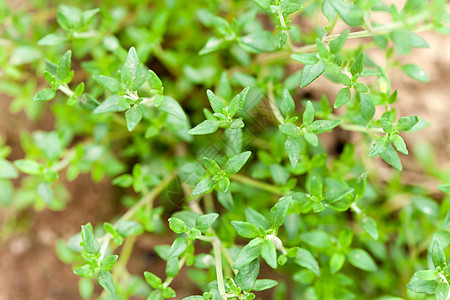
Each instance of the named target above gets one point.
<point>198,111</point>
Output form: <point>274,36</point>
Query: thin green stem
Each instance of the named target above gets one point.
<point>273,106</point>
<point>331,27</point>
<point>217,245</point>
<point>356,208</point>
<point>66,90</point>
<point>147,199</point>
<point>257,184</point>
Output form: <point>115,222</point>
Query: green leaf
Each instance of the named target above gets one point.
<point>168,292</point>
<point>367,107</point>
<point>321,126</point>
<point>85,288</point>
<point>205,221</point>
<point>106,281</point>
<point>172,266</point>
<point>237,103</point>
<point>407,123</point>
<point>246,277</point>
<point>269,253</point>
<point>311,73</point>
<point>337,44</point>
<point>178,247</point>
<point>422,286</point>
<point>279,174</point>
<point>405,40</point>
<point>108,262</point>
<point>305,58</point>
<point>445,188</point>
<point>124,181</point>
<point>69,17</point>
<point>328,11</point>
<point>287,105</point>
<point>204,186</point>
<point>111,104</point>
<point>400,145</point>
<point>289,129</point>
<point>259,42</point>
<point>358,65</point>
<point>52,39</point>
<point>224,88</point>
<point>44,95</point>
<point>177,225</point>
<point>216,104</point>
<point>133,116</point>
<point>250,252</point>
<point>345,237</point>
<point>128,228</point>
<point>211,166</point>
<point>63,68</point>
<point>7,169</point>
<point>381,146</point>
<point>172,107</point>
<point>442,291</point>
<point>29,166</point>
<point>256,218</point>
<point>308,114</point>
<point>437,254</point>
<point>415,72</point>
<point>351,14</point>
<point>336,262</point>
<point>91,244</point>
<point>370,226</point>
<point>392,158</point>
<point>293,147</point>
<point>45,192</point>
<point>155,82</point>
<point>213,44</point>
<point>84,271</point>
<point>344,95</point>
<point>245,229</point>
<point>153,280</point>
<point>109,83</point>
<point>264,284</point>
<point>132,71</point>
<point>279,211</point>
<point>205,127</point>
<point>362,260</point>
<point>236,162</point>
<point>427,274</point>
<point>156,295</point>
<point>311,138</point>
<point>7,191</point>
<point>316,239</point>
<point>305,259</point>
<point>360,187</point>
<point>226,199</point>
<point>264,4</point>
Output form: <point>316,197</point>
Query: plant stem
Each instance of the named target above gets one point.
<point>218,262</point>
<point>273,105</point>
<point>66,90</point>
<point>257,184</point>
<point>356,208</point>
<point>147,199</point>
